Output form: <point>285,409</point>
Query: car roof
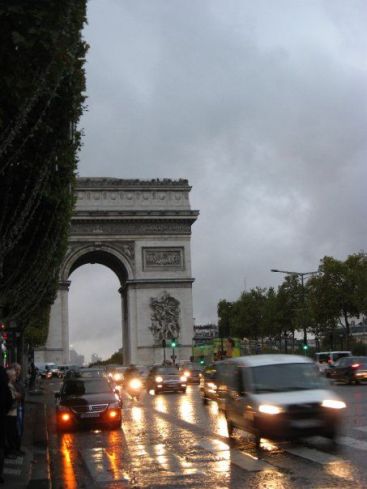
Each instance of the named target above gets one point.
<point>268,359</point>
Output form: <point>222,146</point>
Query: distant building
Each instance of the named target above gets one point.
<point>359,330</point>
<point>76,358</point>
<point>95,358</point>
<point>203,333</point>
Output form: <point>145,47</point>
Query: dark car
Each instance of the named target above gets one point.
<point>166,379</point>
<point>209,383</point>
<point>349,370</point>
<point>87,401</point>
<point>86,373</point>
<point>192,372</point>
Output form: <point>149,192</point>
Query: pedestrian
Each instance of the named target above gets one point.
<point>32,376</point>
<point>20,388</point>
<point>6,401</point>
<point>12,438</point>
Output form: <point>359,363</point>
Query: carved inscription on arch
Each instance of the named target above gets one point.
<point>163,258</point>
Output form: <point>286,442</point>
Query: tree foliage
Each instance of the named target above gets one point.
<point>41,100</point>
<point>322,306</point>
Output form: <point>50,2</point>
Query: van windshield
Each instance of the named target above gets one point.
<point>287,377</point>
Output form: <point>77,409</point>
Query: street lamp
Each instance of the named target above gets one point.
<point>302,275</point>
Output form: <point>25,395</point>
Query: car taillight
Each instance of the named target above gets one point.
<point>65,417</point>
<point>112,413</point>
<point>355,365</point>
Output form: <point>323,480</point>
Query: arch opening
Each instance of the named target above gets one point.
<point>102,257</point>
<point>95,321</point>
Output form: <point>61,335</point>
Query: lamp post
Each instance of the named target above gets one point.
<point>302,275</point>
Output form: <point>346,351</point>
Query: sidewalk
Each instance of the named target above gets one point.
<point>31,471</point>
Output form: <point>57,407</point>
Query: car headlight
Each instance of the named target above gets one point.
<point>270,409</point>
<point>117,377</point>
<point>333,404</point>
<point>183,378</point>
<point>187,373</point>
<point>135,383</point>
<point>158,379</point>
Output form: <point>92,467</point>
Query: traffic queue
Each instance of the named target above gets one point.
<point>277,396</point>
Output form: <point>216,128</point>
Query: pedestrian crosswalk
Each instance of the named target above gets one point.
<point>13,466</point>
<point>211,457</point>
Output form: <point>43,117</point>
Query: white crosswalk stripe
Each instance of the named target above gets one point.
<point>13,466</point>
<point>243,460</point>
<point>171,463</point>
<point>103,465</point>
<point>353,443</point>
<point>314,455</point>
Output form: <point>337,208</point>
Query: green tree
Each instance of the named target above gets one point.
<point>41,100</point>
<point>339,292</point>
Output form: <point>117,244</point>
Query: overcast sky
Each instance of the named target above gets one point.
<point>261,105</point>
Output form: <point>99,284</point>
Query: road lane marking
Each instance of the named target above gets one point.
<point>314,455</point>
<point>172,464</point>
<point>104,465</point>
<point>8,471</point>
<point>15,461</point>
<point>352,442</point>
<point>241,459</point>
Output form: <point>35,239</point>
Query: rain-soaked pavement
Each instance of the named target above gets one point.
<point>174,441</point>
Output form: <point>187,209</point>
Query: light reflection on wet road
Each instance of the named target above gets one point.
<point>174,441</point>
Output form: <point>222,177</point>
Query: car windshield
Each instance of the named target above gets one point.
<point>79,387</point>
<point>167,371</point>
<point>322,357</point>
<point>337,356</point>
<point>287,377</point>
<point>362,361</point>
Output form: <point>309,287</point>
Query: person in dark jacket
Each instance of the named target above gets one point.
<point>20,388</point>
<point>6,401</point>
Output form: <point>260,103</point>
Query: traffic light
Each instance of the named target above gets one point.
<point>173,343</point>
<point>202,361</point>
<point>305,347</point>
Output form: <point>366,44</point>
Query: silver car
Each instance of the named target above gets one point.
<point>278,397</point>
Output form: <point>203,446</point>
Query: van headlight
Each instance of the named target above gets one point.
<point>333,404</point>
<point>270,409</point>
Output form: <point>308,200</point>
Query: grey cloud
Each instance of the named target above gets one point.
<point>261,105</point>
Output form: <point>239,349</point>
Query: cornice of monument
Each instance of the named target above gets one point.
<point>105,183</point>
<point>138,214</point>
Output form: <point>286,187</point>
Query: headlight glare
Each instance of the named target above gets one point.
<point>333,404</point>
<point>158,379</point>
<point>270,409</point>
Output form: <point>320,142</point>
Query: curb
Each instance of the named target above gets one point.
<point>40,473</point>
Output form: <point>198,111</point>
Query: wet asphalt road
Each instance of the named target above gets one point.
<point>174,441</point>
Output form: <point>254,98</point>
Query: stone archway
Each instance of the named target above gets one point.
<point>141,230</point>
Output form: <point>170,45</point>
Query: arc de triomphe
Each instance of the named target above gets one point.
<point>141,230</point>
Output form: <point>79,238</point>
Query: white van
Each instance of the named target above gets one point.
<point>279,397</point>
<point>325,358</point>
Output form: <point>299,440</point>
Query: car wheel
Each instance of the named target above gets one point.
<point>230,428</point>
<point>257,440</point>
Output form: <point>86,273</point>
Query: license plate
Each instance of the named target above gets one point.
<point>305,423</point>
<point>89,415</point>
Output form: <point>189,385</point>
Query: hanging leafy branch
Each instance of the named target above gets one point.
<point>42,87</point>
